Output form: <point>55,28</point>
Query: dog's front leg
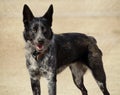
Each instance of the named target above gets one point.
<point>52,84</point>
<point>35,84</point>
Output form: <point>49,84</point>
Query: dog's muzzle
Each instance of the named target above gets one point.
<point>40,45</point>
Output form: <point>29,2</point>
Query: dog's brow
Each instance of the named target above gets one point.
<point>43,21</point>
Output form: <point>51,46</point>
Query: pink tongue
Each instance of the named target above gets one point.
<point>39,47</point>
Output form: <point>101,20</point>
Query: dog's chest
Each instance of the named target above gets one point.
<point>42,67</point>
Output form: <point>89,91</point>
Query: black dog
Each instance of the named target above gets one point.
<point>47,54</point>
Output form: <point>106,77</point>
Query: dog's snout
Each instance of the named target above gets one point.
<point>41,41</point>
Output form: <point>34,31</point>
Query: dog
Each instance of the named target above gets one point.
<point>48,54</point>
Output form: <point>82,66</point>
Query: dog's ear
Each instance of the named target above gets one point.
<point>27,14</point>
<point>48,15</point>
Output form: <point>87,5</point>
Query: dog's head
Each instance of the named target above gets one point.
<point>38,29</point>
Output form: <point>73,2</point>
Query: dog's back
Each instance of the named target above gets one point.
<point>73,47</point>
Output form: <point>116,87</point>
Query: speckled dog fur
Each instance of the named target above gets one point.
<point>48,54</point>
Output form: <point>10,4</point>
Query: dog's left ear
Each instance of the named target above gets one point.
<point>48,15</point>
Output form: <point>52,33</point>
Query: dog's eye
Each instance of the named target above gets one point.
<point>35,28</point>
<point>43,29</point>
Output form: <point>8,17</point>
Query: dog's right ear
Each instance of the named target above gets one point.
<point>27,14</point>
<point>48,15</point>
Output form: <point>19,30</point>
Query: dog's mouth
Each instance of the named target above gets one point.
<point>39,47</point>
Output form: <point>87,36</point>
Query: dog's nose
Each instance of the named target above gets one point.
<point>41,41</point>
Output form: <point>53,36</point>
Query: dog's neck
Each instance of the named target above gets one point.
<point>38,55</point>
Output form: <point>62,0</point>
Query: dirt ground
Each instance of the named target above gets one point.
<point>99,18</point>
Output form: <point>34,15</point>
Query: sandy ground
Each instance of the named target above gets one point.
<point>99,18</point>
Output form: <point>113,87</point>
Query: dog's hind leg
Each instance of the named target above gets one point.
<point>96,66</point>
<point>78,70</point>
